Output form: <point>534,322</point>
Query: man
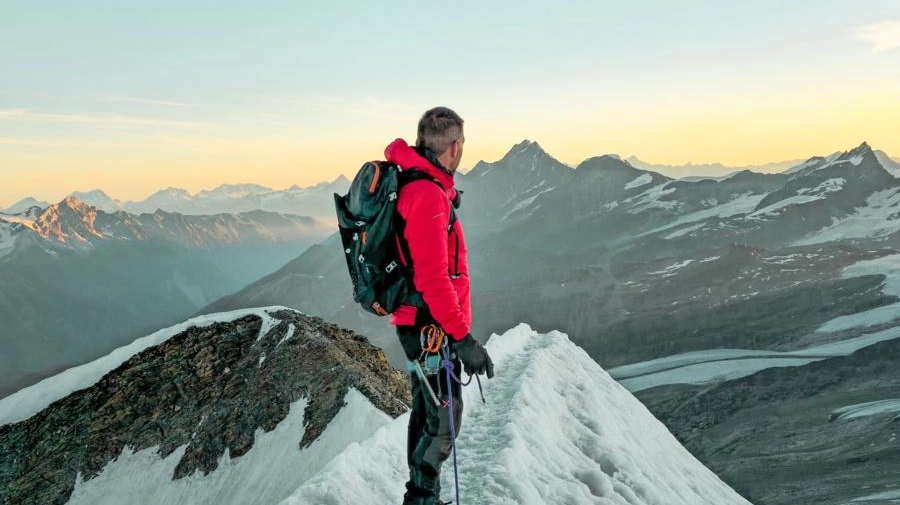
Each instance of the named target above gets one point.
<point>440,273</point>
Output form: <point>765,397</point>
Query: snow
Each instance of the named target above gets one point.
<point>651,198</point>
<point>29,401</point>
<point>889,266</point>
<point>672,269</point>
<point>526,202</point>
<point>26,220</point>
<point>889,406</point>
<point>642,180</point>
<point>556,429</point>
<point>806,164</point>
<point>743,204</point>
<point>716,365</point>
<point>783,260</point>
<point>802,196</point>
<point>684,231</point>
<point>825,187</point>
<point>267,474</point>
<point>880,217</point>
<point>892,496</point>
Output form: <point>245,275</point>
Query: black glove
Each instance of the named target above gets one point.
<point>474,357</point>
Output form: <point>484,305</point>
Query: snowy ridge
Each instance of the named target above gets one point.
<point>29,401</point>
<point>641,180</point>
<point>555,430</point>
<point>880,217</point>
<point>802,196</point>
<point>651,199</point>
<point>743,204</point>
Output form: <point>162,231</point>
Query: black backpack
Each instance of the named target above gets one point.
<point>372,237</point>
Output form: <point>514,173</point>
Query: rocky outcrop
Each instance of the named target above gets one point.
<point>208,389</point>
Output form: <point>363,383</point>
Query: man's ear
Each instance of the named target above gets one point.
<point>454,149</point>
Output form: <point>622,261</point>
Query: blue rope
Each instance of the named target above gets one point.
<point>448,365</point>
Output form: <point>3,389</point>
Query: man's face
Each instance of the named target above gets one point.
<point>454,163</point>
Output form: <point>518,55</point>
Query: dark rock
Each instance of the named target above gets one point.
<point>207,388</point>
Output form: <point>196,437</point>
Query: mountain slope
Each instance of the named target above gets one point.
<point>502,190</point>
<point>555,430</point>
<point>195,393</point>
<point>806,434</point>
<point>76,282</point>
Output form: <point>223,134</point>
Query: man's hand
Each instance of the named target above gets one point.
<point>474,357</point>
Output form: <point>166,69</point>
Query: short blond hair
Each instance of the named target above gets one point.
<point>438,129</point>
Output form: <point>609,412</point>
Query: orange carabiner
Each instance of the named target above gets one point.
<point>432,338</point>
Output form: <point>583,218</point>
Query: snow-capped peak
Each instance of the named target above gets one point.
<point>99,199</point>
<point>69,221</point>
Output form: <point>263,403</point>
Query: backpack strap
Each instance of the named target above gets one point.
<point>410,175</point>
<point>405,177</point>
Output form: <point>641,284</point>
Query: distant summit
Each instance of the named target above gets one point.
<point>25,204</point>
<point>69,221</point>
<point>98,199</point>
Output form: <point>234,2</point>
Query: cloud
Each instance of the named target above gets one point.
<point>99,119</point>
<point>885,36</point>
<point>23,142</point>
<point>148,101</point>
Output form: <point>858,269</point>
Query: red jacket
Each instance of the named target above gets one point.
<point>440,267</point>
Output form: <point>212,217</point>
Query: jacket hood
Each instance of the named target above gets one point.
<point>408,158</point>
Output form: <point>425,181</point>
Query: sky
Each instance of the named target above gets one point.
<point>132,97</point>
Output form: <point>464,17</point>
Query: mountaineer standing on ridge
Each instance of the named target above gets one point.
<point>406,255</point>
<point>437,254</point>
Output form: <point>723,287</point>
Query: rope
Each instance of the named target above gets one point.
<point>449,366</point>
<point>450,374</point>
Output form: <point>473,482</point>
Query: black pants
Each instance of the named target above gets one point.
<point>429,439</point>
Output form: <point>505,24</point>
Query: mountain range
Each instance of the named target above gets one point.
<point>77,282</point>
<point>749,297</point>
<point>314,201</point>
<point>637,267</point>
